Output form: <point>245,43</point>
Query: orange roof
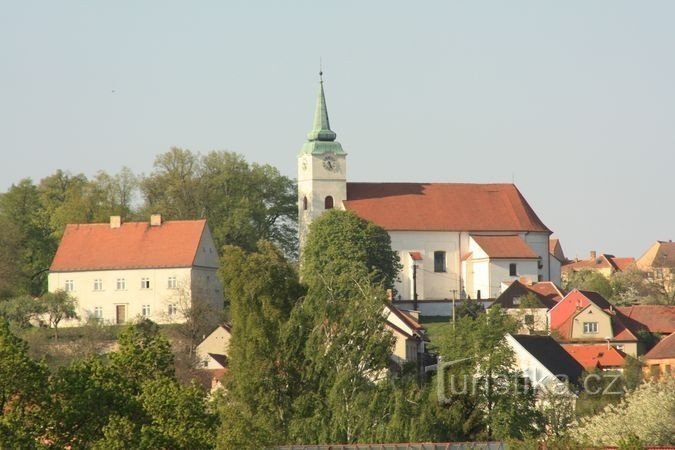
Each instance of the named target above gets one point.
<point>603,261</point>
<point>443,207</point>
<point>131,246</point>
<point>660,254</point>
<point>656,318</point>
<point>416,256</point>
<point>664,349</point>
<point>511,247</point>
<point>596,355</point>
<point>622,264</point>
<point>546,291</point>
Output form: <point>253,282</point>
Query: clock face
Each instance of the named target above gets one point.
<point>329,163</point>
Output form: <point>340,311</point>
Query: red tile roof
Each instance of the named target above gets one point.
<point>603,261</point>
<point>656,318</point>
<point>416,256</point>
<point>505,247</point>
<point>622,264</point>
<point>546,291</point>
<point>443,206</point>
<point>133,245</point>
<point>596,355</point>
<point>664,349</point>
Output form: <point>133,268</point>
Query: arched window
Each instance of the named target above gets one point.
<point>328,203</point>
<point>304,203</point>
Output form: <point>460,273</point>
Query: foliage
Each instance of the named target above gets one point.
<point>340,243</point>
<point>589,280</point>
<point>21,310</point>
<point>57,306</point>
<point>648,413</point>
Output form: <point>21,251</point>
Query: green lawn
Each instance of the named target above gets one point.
<point>434,326</point>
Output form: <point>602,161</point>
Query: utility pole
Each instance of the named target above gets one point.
<point>454,291</point>
<point>414,267</point>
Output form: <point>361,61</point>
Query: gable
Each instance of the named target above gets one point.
<point>132,245</point>
<point>443,207</point>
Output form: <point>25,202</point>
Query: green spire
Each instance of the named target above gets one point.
<point>321,139</point>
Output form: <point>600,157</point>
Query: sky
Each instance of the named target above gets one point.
<point>574,101</point>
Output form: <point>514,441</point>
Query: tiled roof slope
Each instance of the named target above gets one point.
<point>545,291</point>
<point>596,355</point>
<point>656,318</point>
<point>510,247</point>
<point>131,246</point>
<point>443,207</point>
<point>664,349</point>
<point>660,254</point>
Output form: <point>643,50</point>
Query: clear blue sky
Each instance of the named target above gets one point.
<point>574,100</point>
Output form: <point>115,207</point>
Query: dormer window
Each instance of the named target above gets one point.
<point>328,203</point>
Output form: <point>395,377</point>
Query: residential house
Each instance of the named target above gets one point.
<point>660,360</point>
<point>216,343</point>
<point>439,230</point>
<point>659,264</point>
<point>545,363</point>
<point>597,356</point>
<point>585,317</point>
<point>409,334</point>
<point>658,319</point>
<point>603,264</point>
<point>533,316</point>
<point>118,271</point>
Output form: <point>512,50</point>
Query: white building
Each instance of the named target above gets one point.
<point>120,271</point>
<point>455,240</point>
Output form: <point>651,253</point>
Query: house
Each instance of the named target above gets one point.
<point>585,317</point>
<point>658,319</point>
<point>455,240</point>
<point>660,360</point>
<point>118,271</point>
<point>597,356</point>
<point>603,264</point>
<point>533,316</point>
<point>659,264</point>
<point>215,346</point>
<point>545,363</point>
<point>557,259</point>
<point>409,335</point>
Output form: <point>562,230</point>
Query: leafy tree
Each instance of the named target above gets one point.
<point>21,310</point>
<point>340,243</point>
<point>57,306</point>
<point>589,280</point>
<point>256,408</point>
<point>22,394</point>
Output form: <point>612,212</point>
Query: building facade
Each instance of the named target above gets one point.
<point>120,271</point>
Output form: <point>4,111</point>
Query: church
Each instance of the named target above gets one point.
<point>454,240</point>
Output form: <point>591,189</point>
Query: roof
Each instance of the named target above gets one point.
<point>505,247</point>
<point>546,292</point>
<point>133,245</point>
<point>548,352</point>
<point>416,256</point>
<point>443,207</point>
<point>603,261</point>
<point>555,249</point>
<point>660,254</point>
<point>664,349</point>
<point>592,356</point>
<point>321,139</point>
<point>656,318</point>
<point>408,320</point>
<point>220,359</point>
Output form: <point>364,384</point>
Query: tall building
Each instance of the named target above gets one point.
<point>456,240</point>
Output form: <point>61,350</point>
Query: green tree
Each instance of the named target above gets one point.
<point>57,306</point>
<point>589,280</point>
<point>21,310</point>
<point>340,243</point>
<point>256,409</point>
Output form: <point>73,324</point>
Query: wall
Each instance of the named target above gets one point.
<point>592,314</point>
<point>540,319</point>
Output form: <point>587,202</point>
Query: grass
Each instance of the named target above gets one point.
<point>435,326</point>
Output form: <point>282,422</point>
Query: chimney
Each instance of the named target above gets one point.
<point>115,221</point>
<point>155,220</point>
<point>593,254</point>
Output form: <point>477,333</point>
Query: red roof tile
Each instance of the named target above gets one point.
<point>546,291</point>
<point>622,264</point>
<point>603,261</point>
<point>664,349</point>
<point>416,256</point>
<point>133,245</point>
<point>656,318</point>
<point>443,206</point>
<point>596,355</point>
<point>500,247</point>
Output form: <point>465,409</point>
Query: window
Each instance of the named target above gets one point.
<point>70,286</point>
<point>172,310</point>
<point>98,312</point>
<point>121,284</point>
<point>145,312</point>
<point>304,203</point>
<point>145,283</point>
<point>540,278</point>
<point>590,327</point>
<point>513,270</point>
<point>529,319</point>
<point>328,203</point>
<point>171,284</point>
<point>439,261</point>
<point>98,284</point>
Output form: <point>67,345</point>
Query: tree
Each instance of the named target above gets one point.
<point>256,409</point>
<point>57,306</point>
<point>341,242</point>
<point>589,280</point>
<point>21,310</point>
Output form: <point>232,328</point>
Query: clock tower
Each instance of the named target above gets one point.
<point>322,169</point>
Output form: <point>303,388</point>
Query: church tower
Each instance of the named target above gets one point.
<point>322,169</point>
